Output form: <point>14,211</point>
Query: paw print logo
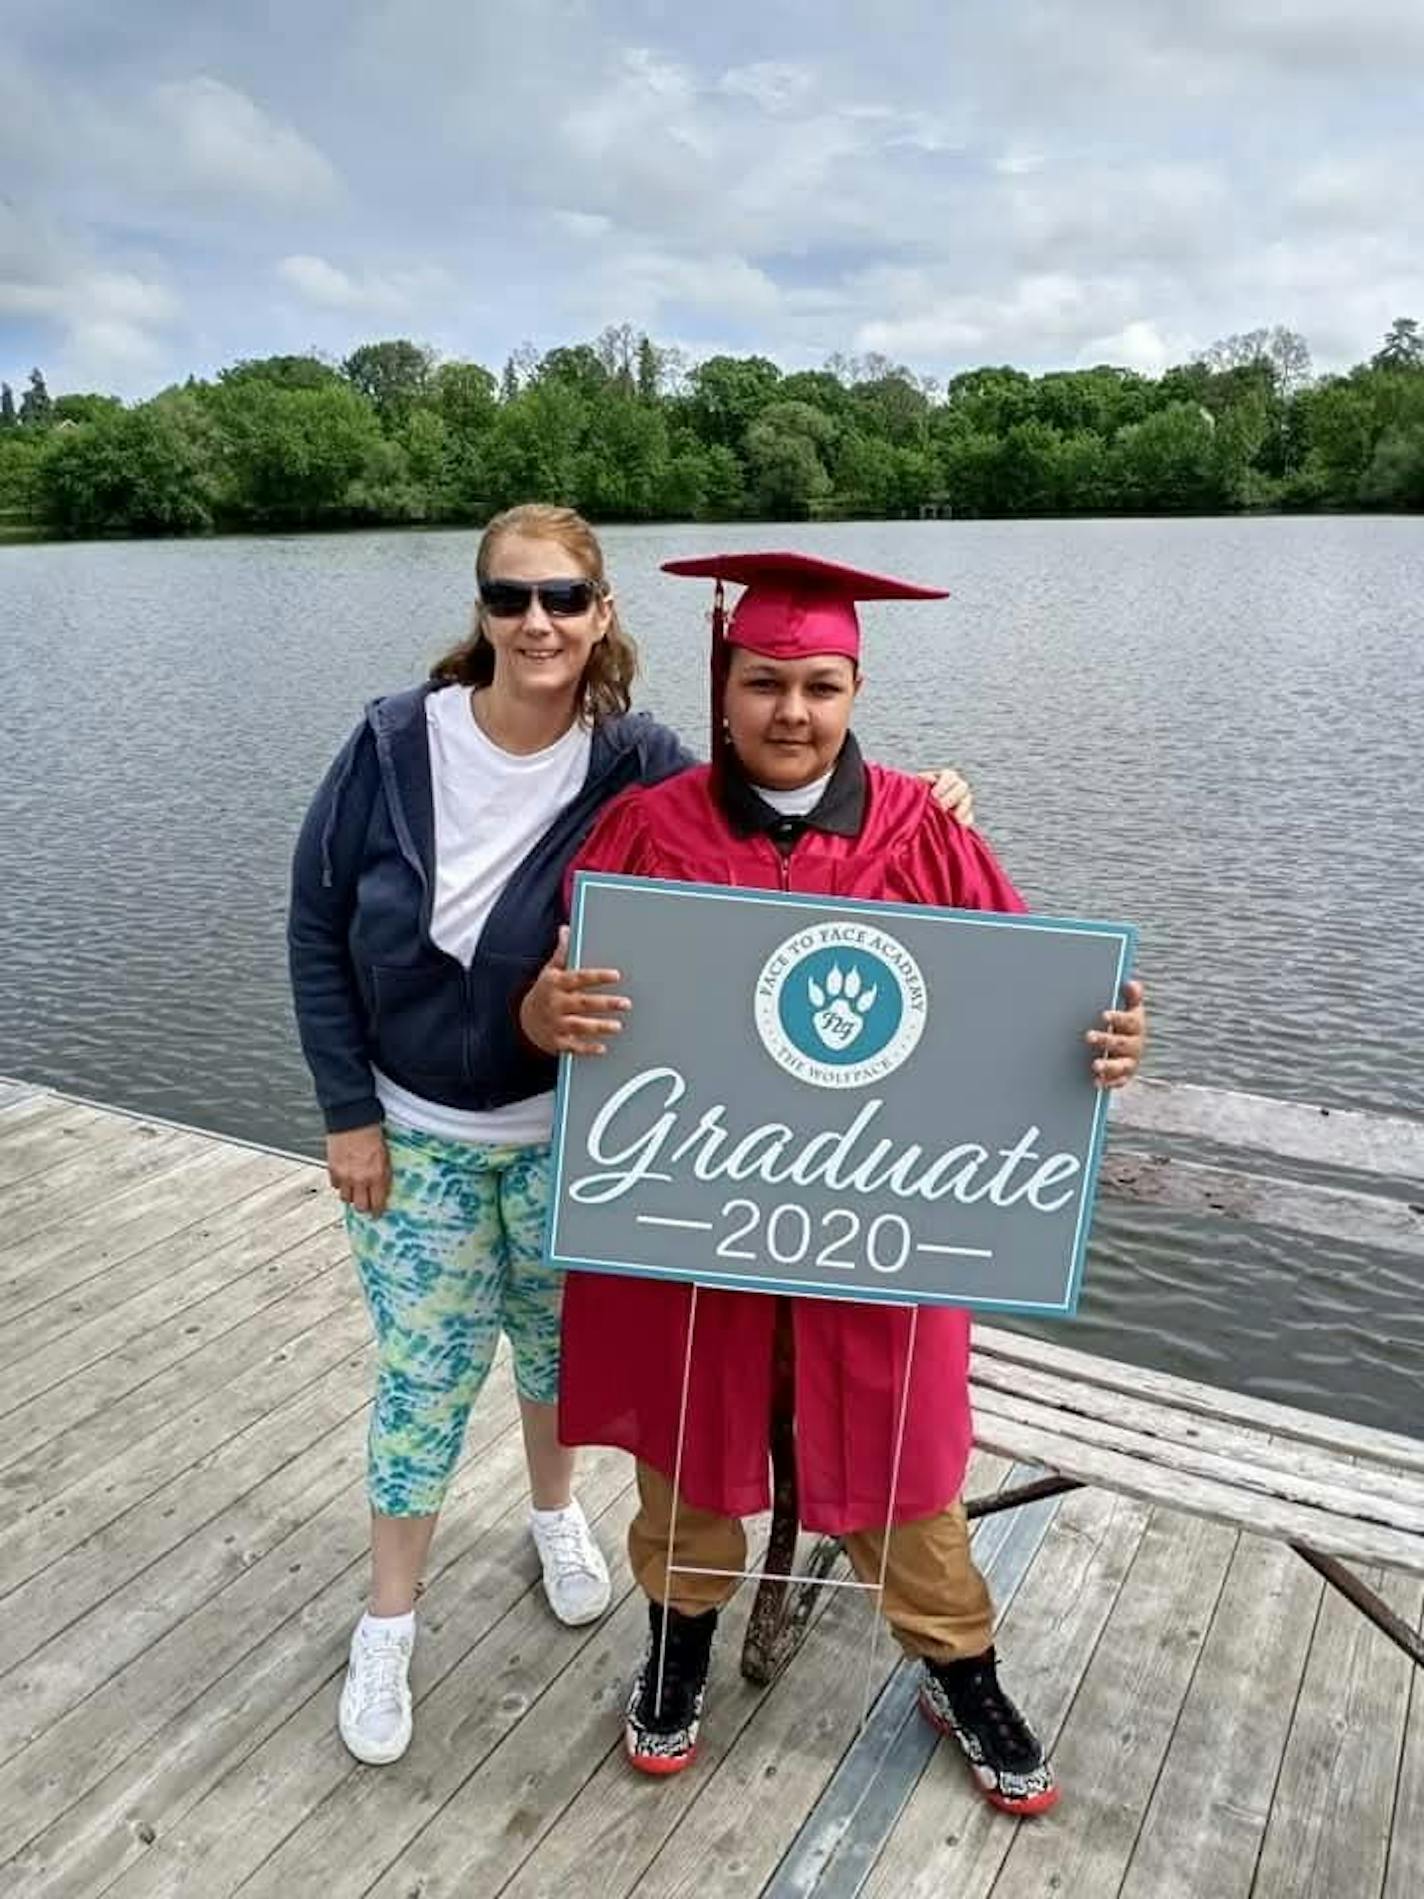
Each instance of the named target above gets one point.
<point>840,1008</point>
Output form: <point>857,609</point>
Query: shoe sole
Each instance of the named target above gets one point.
<point>376,1757</point>
<point>660,1765</point>
<point>1020,1809</point>
<point>580,1621</point>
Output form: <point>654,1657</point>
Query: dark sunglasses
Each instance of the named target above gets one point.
<point>560,599</point>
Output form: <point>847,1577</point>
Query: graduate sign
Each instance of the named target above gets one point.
<point>816,1095</point>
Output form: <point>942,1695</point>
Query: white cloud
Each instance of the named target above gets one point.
<point>216,140</point>
<point>774,85</point>
<point>1139,345</point>
<point>107,324</point>
<point>327,287</point>
<point>945,184</point>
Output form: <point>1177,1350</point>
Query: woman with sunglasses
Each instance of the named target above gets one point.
<point>426,896</point>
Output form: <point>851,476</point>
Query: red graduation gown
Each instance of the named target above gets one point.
<point>624,1339</point>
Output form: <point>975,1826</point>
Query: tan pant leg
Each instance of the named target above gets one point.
<point>935,1599</point>
<point>704,1539</point>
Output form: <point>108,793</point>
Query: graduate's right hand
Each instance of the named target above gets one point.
<point>568,1011</point>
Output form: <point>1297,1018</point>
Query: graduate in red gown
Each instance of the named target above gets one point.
<point>788,803</point>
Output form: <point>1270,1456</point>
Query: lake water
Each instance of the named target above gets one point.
<point>1211,728</point>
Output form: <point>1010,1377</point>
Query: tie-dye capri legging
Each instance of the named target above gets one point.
<point>456,1259</point>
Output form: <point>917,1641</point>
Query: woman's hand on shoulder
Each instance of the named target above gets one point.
<point>1118,1045</point>
<point>358,1165</point>
<point>569,1011</point>
<point>952,794</point>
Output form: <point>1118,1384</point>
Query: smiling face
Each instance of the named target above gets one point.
<point>787,718</point>
<point>536,652</point>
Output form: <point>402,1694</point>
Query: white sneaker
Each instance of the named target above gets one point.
<point>374,1717</point>
<point>575,1574</point>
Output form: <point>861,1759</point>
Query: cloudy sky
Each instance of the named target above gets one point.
<point>950,182</point>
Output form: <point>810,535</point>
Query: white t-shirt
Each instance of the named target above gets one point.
<point>491,808</point>
<point>799,803</point>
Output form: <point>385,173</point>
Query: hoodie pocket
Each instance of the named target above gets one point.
<point>420,1021</point>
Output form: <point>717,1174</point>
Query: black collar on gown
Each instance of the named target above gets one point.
<point>839,811</point>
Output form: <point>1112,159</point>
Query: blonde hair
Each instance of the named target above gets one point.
<point>606,688</point>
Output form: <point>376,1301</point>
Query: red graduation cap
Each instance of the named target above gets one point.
<point>795,607</point>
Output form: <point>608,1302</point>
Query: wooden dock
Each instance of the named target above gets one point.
<point>182,1555</point>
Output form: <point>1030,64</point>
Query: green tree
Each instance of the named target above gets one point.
<point>147,470</point>
<point>726,394</point>
<point>724,495</point>
<point>1395,476</point>
<point>785,447</point>
<point>623,465</point>
<point>819,387</point>
<point>84,408</point>
<point>1403,347</point>
<point>293,455</point>
<point>531,453</point>
<point>892,406</point>
<point>990,401</point>
<point>578,367</point>
<point>649,370</point>
<point>393,376</point>
<point>464,397</point>
<point>287,372</point>
<point>36,408</point>
<point>8,418</point>
<point>1168,464</point>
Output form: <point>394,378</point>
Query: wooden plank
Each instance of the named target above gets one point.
<point>1252,1469</point>
<point>74,1754</point>
<point>64,1557</point>
<point>526,1715</point>
<point>1199,1496</point>
<point>1330,1822</point>
<point>1115,1739</point>
<point>235,1244</point>
<point>70,1144</point>
<point>1404,1877</point>
<point>1382,1144</point>
<point>177,1199</point>
<point>488,1649</point>
<point>112,1156</point>
<point>33,1134</point>
<point>1212,1801</point>
<point>131,1159</point>
<point>1235,1441</point>
<point>12,1093</point>
<point>137,1614</point>
<point>164,1267</point>
<point>1361,1441</point>
<point>780,1811</point>
<point>762,1759</point>
<point>67,1588</point>
<point>131,1815</point>
<point>120,1406</point>
<point>948,1838</point>
<point>1179,1186</point>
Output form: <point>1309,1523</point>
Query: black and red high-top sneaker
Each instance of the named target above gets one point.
<point>660,1731</point>
<point>964,1698</point>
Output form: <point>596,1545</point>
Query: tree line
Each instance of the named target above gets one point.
<point>625,430</point>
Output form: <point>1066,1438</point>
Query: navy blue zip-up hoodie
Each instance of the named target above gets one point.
<point>369,984</point>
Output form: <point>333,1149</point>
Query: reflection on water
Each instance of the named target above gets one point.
<point>1210,728</point>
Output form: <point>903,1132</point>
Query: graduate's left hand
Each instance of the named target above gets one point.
<point>1118,1045</point>
<point>951,793</point>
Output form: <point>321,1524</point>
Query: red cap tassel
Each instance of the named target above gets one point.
<point>718,672</point>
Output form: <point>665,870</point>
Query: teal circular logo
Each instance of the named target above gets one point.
<point>840,1004</point>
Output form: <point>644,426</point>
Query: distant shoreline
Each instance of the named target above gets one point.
<point>33,534</point>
